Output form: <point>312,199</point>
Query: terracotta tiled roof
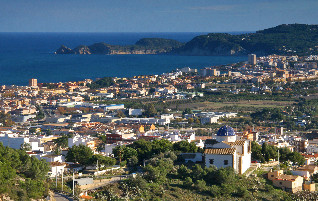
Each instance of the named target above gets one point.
<point>225,151</point>
<point>309,168</point>
<point>236,143</point>
<point>287,177</point>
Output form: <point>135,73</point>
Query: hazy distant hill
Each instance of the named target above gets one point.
<point>285,39</point>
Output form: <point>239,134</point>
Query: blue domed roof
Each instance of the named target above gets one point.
<point>226,131</point>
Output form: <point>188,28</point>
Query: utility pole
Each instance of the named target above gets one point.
<point>73,184</point>
<point>278,160</point>
<point>56,177</point>
<point>62,180</point>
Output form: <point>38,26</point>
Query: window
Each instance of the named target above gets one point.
<point>272,175</point>
<point>280,183</point>
<point>211,161</point>
<point>226,162</point>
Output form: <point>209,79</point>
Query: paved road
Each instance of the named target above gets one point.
<point>61,197</point>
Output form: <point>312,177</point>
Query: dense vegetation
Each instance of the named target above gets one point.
<point>22,177</point>
<point>84,155</point>
<point>165,177</point>
<point>5,119</point>
<point>266,152</point>
<point>144,150</point>
<point>103,82</point>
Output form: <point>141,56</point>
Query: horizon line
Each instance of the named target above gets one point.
<point>127,32</point>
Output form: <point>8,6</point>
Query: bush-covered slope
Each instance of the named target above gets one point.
<point>22,177</point>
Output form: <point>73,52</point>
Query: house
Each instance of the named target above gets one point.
<point>306,170</point>
<point>193,157</point>
<point>57,169</point>
<point>309,186</point>
<point>226,151</point>
<point>291,183</point>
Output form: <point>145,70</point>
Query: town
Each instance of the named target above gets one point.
<point>257,117</point>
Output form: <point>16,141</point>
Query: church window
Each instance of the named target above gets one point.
<point>211,161</point>
<point>226,162</point>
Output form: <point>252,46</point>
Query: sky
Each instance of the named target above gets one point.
<point>153,15</point>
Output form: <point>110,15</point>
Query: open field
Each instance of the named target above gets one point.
<point>246,105</point>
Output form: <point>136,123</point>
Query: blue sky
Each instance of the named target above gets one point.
<point>152,15</point>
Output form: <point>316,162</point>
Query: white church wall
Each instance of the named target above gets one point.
<point>246,162</point>
<point>218,160</point>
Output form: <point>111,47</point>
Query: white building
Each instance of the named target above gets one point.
<point>135,112</point>
<point>229,152</point>
<point>109,149</point>
<point>56,169</point>
<point>112,107</point>
<point>77,140</point>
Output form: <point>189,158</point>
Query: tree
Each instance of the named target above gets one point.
<point>133,161</point>
<point>188,182</point>
<point>257,152</point>
<point>296,158</point>
<point>62,141</point>
<point>190,121</point>
<point>79,154</point>
<point>270,152</point>
<point>161,146</point>
<point>143,148</point>
<point>200,185</point>
<point>26,147</point>
<point>5,119</point>
<point>17,164</point>
<point>124,152</point>
<point>102,160</point>
<point>120,114</point>
<point>32,130</point>
<point>198,172</point>
<point>221,176</point>
<point>183,171</point>
<point>150,110</point>
<point>157,169</point>
<point>187,111</point>
<point>315,177</point>
<point>104,82</point>
<point>185,147</point>
<point>48,132</point>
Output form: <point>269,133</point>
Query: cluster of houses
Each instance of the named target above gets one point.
<point>43,112</point>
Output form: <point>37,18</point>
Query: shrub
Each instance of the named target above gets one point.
<point>188,182</point>
<point>200,185</point>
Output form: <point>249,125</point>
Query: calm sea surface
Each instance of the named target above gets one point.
<point>30,55</point>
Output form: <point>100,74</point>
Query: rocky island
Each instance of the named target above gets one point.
<point>287,39</point>
<point>143,46</point>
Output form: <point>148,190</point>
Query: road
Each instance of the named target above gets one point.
<point>61,197</point>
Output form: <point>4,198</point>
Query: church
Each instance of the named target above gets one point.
<point>226,151</point>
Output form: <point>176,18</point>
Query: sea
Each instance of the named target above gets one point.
<point>31,55</point>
